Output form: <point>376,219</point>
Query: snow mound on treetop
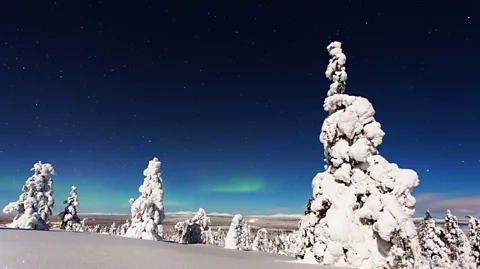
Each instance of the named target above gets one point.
<point>116,252</point>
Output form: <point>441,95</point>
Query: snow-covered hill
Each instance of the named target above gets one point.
<point>27,249</point>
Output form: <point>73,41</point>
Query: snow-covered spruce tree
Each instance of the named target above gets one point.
<point>474,239</point>
<point>200,228</point>
<point>285,243</point>
<point>113,229</point>
<point>69,214</point>
<point>34,206</point>
<point>432,243</point>
<point>195,230</point>
<point>238,234</point>
<point>182,233</point>
<point>147,211</point>
<point>219,237</point>
<point>84,226</point>
<point>124,227</point>
<point>457,243</point>
<point>261,241</point>
<point>362,207</point>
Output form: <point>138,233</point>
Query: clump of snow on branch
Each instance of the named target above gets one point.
<point>238,234</point>
<point>457,243</point>
<point>432,243</point>
<point>35,205</point>
<point>147,210</point>
<point>362,207</point>
<point>69,214</point>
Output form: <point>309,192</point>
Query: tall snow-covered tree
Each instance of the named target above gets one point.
<point>35,205</point>
<point>362,207</point>
<point>474,239</point>
<point>432,243</point>
<point>262,242</point>
<point>238,234</point>
<point>69,214</point>
<point>458,244</point>
<point>147,211</point>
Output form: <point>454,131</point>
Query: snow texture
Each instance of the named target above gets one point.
<point>457,243</point>
<point>98,251</point>
<point>432,243</point>
<point>361,211</point>
<point>35,205</point>
<point>238,234</point>
<point>147,211</point>
<point>69,214</point>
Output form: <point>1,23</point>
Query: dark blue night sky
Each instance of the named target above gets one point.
<point>229,94</point>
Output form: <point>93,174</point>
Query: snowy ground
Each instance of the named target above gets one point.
<point>27,249</point>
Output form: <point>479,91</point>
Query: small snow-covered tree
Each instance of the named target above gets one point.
<point>200,230</point>
<point>474,239</point>
<point>113,229</point>
<point>457,243</point>
<point>432,243</point>
<point>195,230</point>
<point>182,233</point>
<point>219,237</point>
<point>83,225</point>
<point>124,227</point>
<point>262,242</point>
<point>362,207</point>
<point>238,234</point>
<point>69,214</point>
<point>34,206</point>
<point>147,211</point>
<point>285,243</point>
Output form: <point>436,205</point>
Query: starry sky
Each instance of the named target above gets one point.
<point>229,94</point>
